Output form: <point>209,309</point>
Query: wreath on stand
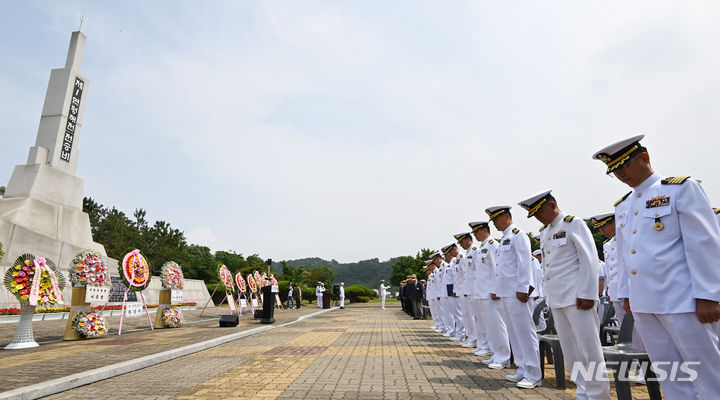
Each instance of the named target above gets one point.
<point>88,268</point>
<point>171,276</point>
<point>90,324</point>
<point>35,280</point>
<point>172,317</point>
<point>135,271</point>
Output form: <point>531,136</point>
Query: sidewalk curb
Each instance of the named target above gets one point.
<point>98,374</point>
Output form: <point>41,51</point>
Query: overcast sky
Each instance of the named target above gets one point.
<point>360,129</point>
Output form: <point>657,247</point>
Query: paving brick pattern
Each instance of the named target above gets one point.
<point>136,341</point>
<point>356,353</point>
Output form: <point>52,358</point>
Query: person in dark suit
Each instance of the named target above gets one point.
<point>411,289</point>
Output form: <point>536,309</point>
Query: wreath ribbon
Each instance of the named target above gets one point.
<point>41,265</point>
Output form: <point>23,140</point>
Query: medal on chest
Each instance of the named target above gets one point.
<point>658,201</point>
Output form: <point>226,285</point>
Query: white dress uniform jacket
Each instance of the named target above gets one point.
<point>664,270</point>
<point>484,261</point>
<point>514,268</point>
<point>449,275</point>
<point>571,262</point>
<point>470,272</point>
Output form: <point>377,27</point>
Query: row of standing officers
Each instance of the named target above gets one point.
<point>660,266</point>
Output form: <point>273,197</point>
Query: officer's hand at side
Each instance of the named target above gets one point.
<point>523,297</point>
<point>585,304</point>
<point>708,311</point>
<point>626,306</point>
<point>494,296</point>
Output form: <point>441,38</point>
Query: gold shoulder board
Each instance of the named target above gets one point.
<point>617,203</point>
<point>516,230</point>
<point>569,218</point>
<point>541,229</point>
<point>674,180</point>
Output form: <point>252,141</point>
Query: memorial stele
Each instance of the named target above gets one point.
<point>41,211</point>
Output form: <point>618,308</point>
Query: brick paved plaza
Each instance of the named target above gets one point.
<point>356,353</point>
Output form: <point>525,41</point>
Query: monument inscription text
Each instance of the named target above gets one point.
<point>72,120</point>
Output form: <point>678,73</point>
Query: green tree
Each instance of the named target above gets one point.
<point>409,265</point>
<point>320,274</point>
<point>2,253</point>
<point>236,262</point>
<point>293,274</point>
<point>199,263</point>
<point>598,237</point>
<point>2,191</point>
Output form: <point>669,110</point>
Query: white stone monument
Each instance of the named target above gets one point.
<point>41,212</point>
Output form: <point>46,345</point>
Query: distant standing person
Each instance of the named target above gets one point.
<point>290,301</point>
<point>342,295</point>
<point>383,292</point>
<point>319,294</point>
<point>299,295</point>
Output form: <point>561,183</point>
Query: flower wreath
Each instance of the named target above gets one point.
<point>251,283</point>
<point>90,324</point>
<point>226,277</point>
<point>88,268</point>
<point>135,271</point>
<point>35,280</point>
<point>172,317</point>
<point>171,276</point>
<point>240,282</point>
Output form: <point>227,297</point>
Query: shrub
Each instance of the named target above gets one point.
<point>308,293</point>
<point>352,292</point>
<point>362,299</point>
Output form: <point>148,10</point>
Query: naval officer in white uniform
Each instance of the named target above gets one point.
<point>571,284</point>
<point>488,304</point>
<point>452,280</point>
<point>467,277</point>
<point>668,245</point>
<point>512,284</point>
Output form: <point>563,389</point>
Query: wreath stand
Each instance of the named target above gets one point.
<point>278,303</point>
<point>24,337</point>
<point>228,295</point>
<point>164,302</point>
<point>77,304</point>
<point>122,315</point>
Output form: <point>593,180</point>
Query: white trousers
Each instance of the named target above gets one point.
<point>523,338</point>
<point>468,318</point>
<point>495,330</point>
<point>479,328</point>
<point>580,341</point>
<point>342,301</point>
<point>447,317</point>
<point>677,338</point>
<point>433,312</point>
<point>319,300</point>
<point>620,314</point>
<point>382,299</point>
<point>454,309</point>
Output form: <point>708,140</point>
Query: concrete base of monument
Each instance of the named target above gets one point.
<point>56,232</point>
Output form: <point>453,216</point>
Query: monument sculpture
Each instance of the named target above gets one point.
<point>41,211</point>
